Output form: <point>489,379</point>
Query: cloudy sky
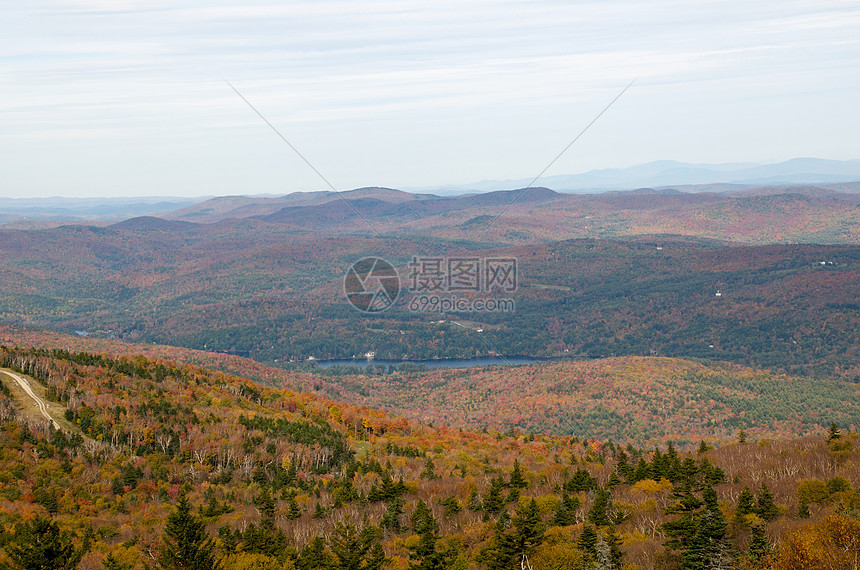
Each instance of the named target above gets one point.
<point>122,98</point>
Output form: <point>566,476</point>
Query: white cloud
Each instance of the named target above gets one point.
<point>379,86</point>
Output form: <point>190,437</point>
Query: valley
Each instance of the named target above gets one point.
<point>693,367</point>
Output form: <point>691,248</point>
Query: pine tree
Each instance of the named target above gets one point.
<point>424,556</point>
<point>525,534</point>
<point>742,436</point>
<point>613,481</point>
<point>494,502</point>
<point>314,556</point>
<point>265,503</point>
<point>565,511</point>
<point>616,555</point>
<point>587,541</point>
<point>40,545</point>
<point>265,538</point>
<point>766,508</point>
<point>833,433</point>
<point>429,470</point>
<point>294,511</point>
<point>598,515</point>
<point>707,545</point>
<point>603,556</point>
<point>746,505</point>
<point>759,546</point>
<point>185,543</point>
<point>642,471</point>
<point>376,559</point>
<point>391,518</point>
<point>517,480</point>
<point>671,462</point>
<point>420,516</point>
<point>474,503</point>
<point>354,549</point>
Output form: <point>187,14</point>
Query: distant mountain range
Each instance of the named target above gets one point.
<point>35,212</point>
<point>673,173</point>
<point>829,177</point>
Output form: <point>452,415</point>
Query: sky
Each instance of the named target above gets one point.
<point>115,98</point>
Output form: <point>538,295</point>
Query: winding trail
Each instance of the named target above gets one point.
<point>25,385</point>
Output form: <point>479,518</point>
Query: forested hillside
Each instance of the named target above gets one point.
<point>162,464</point>
<point>644,400</point>
<point>248,290</point>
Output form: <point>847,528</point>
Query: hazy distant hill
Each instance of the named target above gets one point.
<point>674,173</point>
<point>48,211</point>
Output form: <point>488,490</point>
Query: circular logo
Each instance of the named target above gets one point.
<point>371,285</point>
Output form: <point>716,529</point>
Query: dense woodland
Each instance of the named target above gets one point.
<point>162,464</point>
<point>698,409</point>
<point>643,400</point>
<point>276,296</point>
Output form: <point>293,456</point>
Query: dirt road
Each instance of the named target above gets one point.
<point>25,385</point>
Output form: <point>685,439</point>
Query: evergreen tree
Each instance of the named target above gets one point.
<point>587,541</point>
<point>623,467</point>
<point>742,436</point>
<point>517,480</point>
<point>265,503</point>
<point>833,433</point>
<point>40,545</point>
<point>420,516</point>
<point>680,531</point>
<point>707,546</point>
<point>672,464</point>
<point>565,511</point>
<point>429,470</point>
<point>376,559</point>
<point>521,539</point>
<point>616,555</point>
<point>265,538</point>
<point>642,471</point>
<point>293,512</point>
<point>354,549</point>
<point>424,556</point>
<point>598,515</point>
<point>759,546</point>
<point>765,506</point>
<point>314,556</point>
<point>494,502</point>
<point>185,543</point>
<point>581,481</point>
<point>474,503</point>
<point>603,556</point>
<point>391,518</point>
<point>746,505</point>
<point>746,502</point>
